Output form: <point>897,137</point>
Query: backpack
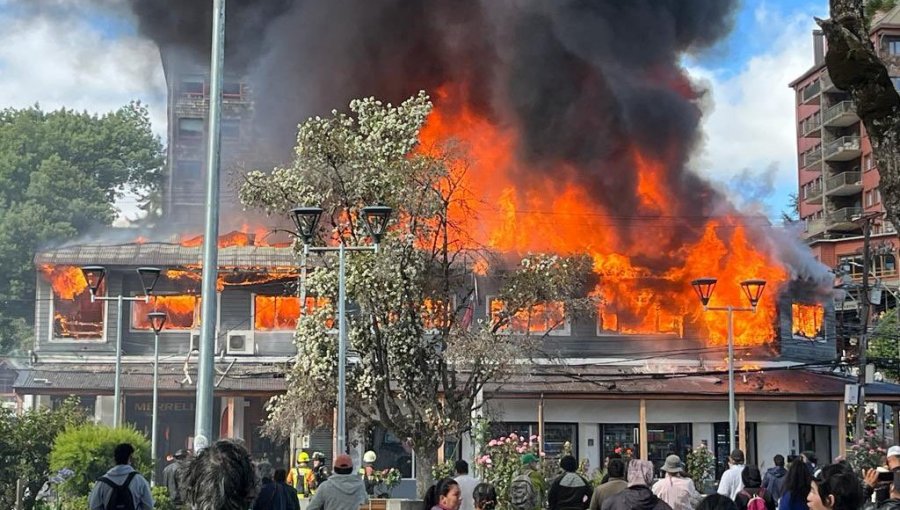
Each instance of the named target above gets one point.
<point>756,500</point>
<point>121,497</point>
<point>522,495</point>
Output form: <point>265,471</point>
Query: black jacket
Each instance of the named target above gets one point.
<point>276,496</point>
<point>569,491</point>
<point>743,498</point>
<point>773,482</point>
<point>639,497</point>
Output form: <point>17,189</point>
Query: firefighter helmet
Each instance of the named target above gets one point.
<point>302,457</point>
<point>369,457</point>
<point>318,456</point>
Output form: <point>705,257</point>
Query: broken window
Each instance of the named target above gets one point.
<point>540,318</point>
<point>182,312</point>
<point>281,313</point>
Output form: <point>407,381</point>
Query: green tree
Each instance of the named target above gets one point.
<point>884,345</point>
<point>25,443</point>
<point>423,362</point>
<point>60,174</point>
<point>88,451</point>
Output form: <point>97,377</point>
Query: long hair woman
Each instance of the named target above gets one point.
<point>444,495</point>
<point>485,497</point>
<point>796,487</point>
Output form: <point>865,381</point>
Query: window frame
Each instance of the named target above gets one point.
<point>565,330</point>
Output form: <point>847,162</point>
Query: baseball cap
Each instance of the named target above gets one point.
<point>529,458</point>
<point>343,461</point>
<point>893,451</point>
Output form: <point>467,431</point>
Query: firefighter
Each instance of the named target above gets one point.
<point>301,477</point>
<point>320,472</point>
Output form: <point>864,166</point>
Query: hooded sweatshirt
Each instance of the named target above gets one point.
<point>139,487</point>
<point>569,491</point>
<point>340,492</point>
<point>773,481</point>
<point>636,497</point>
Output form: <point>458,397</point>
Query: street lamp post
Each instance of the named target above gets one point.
<point>157,321</point>
<point>753,289</point>
<point>306,220</point>
<point>94,276</point>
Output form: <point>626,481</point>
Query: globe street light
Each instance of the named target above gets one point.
<point>157,321</point>
<point>306,219</point>
<point>94,276</point>
<point>753,289</point>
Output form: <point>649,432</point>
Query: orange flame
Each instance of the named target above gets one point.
<point>283,312</point>
<point>807,320</point>
<point>182,312</point>
<point>644,280</point>
<point>74,315</point>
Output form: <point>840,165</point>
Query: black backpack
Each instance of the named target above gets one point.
<point>121,497</point>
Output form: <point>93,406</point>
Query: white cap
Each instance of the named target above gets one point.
<point>894,451</point>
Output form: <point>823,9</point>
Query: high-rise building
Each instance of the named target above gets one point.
<point>837,175</point>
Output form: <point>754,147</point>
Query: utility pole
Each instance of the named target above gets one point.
<point>207,359</point>
<point>863,343</point>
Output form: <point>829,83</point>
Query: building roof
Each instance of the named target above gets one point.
<point>784,384</point>
<point>890,19</point>
<point>166,254</point>
<point>99,379</point>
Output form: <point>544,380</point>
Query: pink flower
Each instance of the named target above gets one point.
<point>493,442</point>
<point>543,454</point>
<point>489,462</point>
<point>520,449</point>
<point>508,440</point>
<point>513,436</point>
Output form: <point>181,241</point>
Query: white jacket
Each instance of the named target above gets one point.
<point>731,483</point>
<point>678,492</point>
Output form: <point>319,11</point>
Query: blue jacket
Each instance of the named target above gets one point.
<point>785,503</point>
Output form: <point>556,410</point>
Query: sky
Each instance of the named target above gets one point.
<point>87,55</point>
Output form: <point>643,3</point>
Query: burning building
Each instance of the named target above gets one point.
<point>579,125</point>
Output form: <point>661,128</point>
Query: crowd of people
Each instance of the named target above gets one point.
<point>223,477</point>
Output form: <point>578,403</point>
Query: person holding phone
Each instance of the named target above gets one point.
<point>878,480</point>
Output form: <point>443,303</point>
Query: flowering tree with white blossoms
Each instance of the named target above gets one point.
<point>422,365</point>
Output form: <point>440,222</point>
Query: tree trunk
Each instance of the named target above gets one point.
<point>426,458</point>
<point>854,66</point>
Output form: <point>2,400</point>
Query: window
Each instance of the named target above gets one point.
<point>230,129</point>
<point>281,313</point>
<point>722,448</point>
<point>190,127</point>
<point>544,318</point>
<point>75,317</point>
<point>556,435</point>
<point>182,312</point>
<point>869,197</point>
<point>231,89</point>
<point>877,193</point>
<point>816,438</point>
<point>617,438</point>
<point>664,439</point>
<point>892,45</point>
<point>193,86</point>
<point>390,451</point>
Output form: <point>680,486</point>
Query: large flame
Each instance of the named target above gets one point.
<point>807,320</point>
<point>283,312</point>
<point>182,312</point>
<point>644,268</point>
<point>74,315</point>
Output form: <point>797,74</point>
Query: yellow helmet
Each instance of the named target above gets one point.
<point>302,457</point>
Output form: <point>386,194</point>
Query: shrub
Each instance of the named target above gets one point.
<point>161,499</point>
<point>867,452</point>
<point>88,451</point>
<point>700,465</point>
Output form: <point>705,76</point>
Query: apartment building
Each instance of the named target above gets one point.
<point>837,175</point>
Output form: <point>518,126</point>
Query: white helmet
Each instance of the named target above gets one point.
<point>369,457</point>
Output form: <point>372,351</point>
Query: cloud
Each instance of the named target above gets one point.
<point>71,60</point>
<point>749,126</point>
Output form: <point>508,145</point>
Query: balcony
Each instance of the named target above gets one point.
<point>816,226</point>
<point>811,92</point>
<point>814,194</point>
<point>845,183</point>
<point>810,158</point>
<point>811,125</point>
<point>844,220</point>
<point>842,114</point>
<point>844,148</point>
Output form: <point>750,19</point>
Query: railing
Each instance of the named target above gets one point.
<point>811,91</point>
<point>811,157</point>
<point>814,191</point>
<point>815,226</point>
<point>844,179</point>
<point>838,110</point>
<point>845,215</point>
<point>811,123</point>
<point>843,143</point>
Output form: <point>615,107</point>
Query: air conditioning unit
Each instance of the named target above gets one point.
<point>240,342</point>
<point>194,345</point>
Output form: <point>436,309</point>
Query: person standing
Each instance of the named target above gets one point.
<point>320,471</point>
<point>638,495</point>
<point>220,477</point>
<point>616,483</point>
<point>730,484</point>
<point>342,491</point>
<point>677,491</point>
<point>276,494</point>
<point>444,495</point>
<point>367,471</point>
<point>569,491</point>
<point>121,482</point>
<point>773,481</point>
<point>170,477</point>
<point>528,490</point>
<point>301,477</point>
<point>485,497</point>
<point>752,481</point>
<point>835,488</point>
<point>796,487</point>
<point>467,484</point>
